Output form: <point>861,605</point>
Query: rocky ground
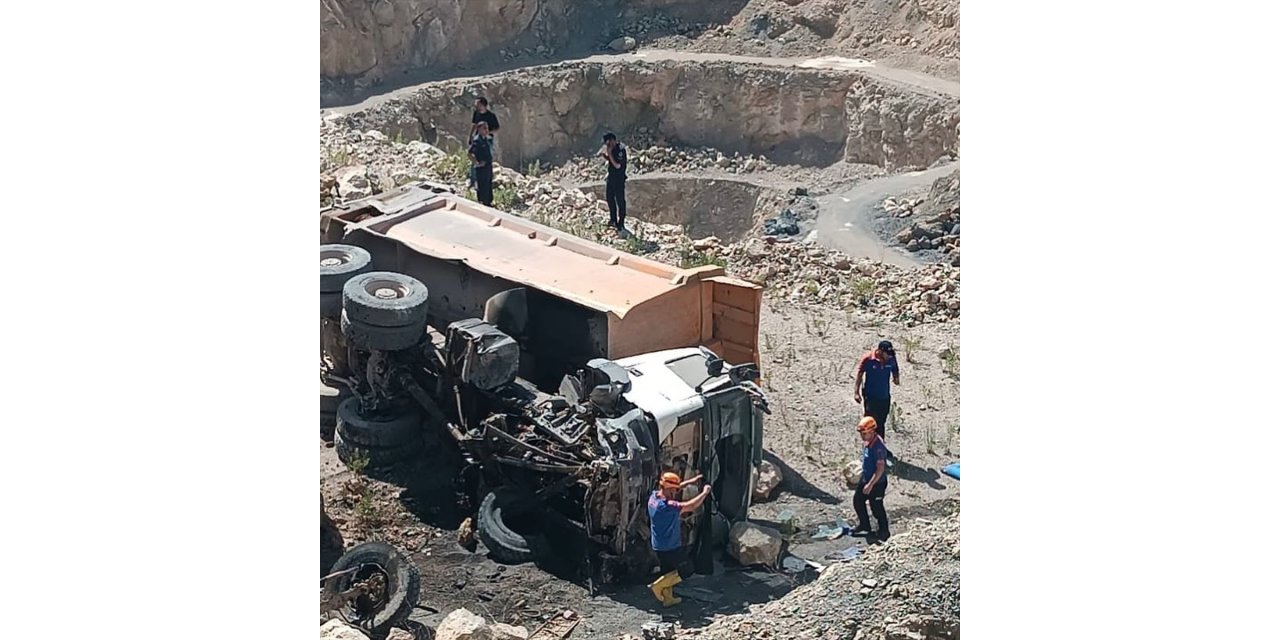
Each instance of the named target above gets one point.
<point>822,310</point>
<point>907,588</point>
<point>922,35</point>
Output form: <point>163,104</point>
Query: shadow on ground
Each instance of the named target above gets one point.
<point>795,484</point>
<point>912,473</point>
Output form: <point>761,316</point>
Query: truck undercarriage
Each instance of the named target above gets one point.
<point>581,455</point>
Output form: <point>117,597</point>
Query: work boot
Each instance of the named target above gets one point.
<point>860,530</point>
<point>670,591</point>
<point>661,588</point>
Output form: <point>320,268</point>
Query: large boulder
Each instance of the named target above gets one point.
<point>354,183</point>
<point>625,43</point>
<point>768,477</point>
<point>502,631</point>
<point>852,473</point>
<point>752,544</point>
<point>463,625</point>
<point>338,630</point>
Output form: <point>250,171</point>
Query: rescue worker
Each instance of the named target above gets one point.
<point>615,186</point>
<point>482,162</point>
<point>665,534</point>
<point>871,389</point>
<point>872,484</point>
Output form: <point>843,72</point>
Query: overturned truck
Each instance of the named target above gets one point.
<point>567,375</point>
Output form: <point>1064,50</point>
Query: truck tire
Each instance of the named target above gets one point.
<point>330,398</point>
<point>379,431</point>
<point>504,543</point>
<point>385,299</point>
<point>371,338</point>
<point>402,585</point>
<point>378,457</point>
<point>338,263</point>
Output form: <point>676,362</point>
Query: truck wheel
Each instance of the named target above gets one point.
<point>394,583</point>
<point>371,338</point>
<point>509,537</point>
<point>378,457</point>
<point>338,262</point>
<point>330,398</point>
<point>385,299</point>
<point>382,430</point>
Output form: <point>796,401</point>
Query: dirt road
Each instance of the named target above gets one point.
<point>847,221</point>
<point>910,79</point>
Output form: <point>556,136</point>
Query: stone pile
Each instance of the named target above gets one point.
<point>907,588</point>
<point>935,221</point>
<point>356,163</point>
<point>647,155</point>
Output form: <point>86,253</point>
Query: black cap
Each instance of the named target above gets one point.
<point>886,347</point>
<point>609,136</point>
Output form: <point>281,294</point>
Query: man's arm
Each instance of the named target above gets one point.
<point>857,383</point>
<point>494,126</point>
<point>692,505</point>
<point>471,153</point>
<point>693,480</point>
<point>893,366</point>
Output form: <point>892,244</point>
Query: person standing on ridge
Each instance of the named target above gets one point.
<point>482,164</point>
<point>481,113</point>
<point>615,189</point>
<point>665,534</point>
<point>871,389</point>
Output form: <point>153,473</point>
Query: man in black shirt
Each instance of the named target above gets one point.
<point>482,163</point>
<point>481,113</point>
<point>615,190</point>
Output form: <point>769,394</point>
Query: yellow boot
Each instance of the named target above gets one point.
<point>668,592</point>
<point>661,588</point>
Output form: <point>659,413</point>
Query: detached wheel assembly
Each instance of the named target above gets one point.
<point>372,338</point>
<point>385,430</point>
<point>509,533</point>
<point>338,263</point>
<point>380,589</point>
<point>378,457</point>
<point>385,299</point>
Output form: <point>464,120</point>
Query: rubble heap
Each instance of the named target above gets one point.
<point>355,164</point>
<point>647,155</point>
<point>907,588</point>
<point>935,220</point>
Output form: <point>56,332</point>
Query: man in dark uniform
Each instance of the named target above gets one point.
<point>615,189</point>
<point>871,389</point>
<point>482,162</point>
<point>481,113</point>
<point>665,534</point>
<point>872,484</point>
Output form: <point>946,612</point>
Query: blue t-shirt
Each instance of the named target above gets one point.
<point>871,454</point>
<point>876,376</point>
<point>664,523</point>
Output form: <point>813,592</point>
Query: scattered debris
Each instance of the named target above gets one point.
<point>785,224</point>
<point>558,627</point>
<point>658,631</point>
<point>953,470</point>
<point>831,531</point>
<point>752,544</point>
<point>792,564</point>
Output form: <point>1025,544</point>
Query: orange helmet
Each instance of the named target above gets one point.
<point>670,481</point>
<point>867,425</point>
